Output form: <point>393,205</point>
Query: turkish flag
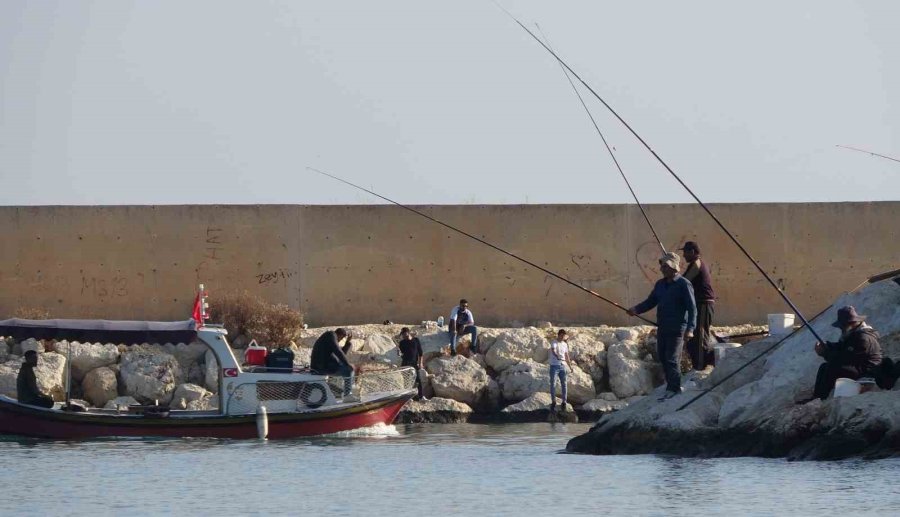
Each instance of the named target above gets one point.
<point>197,313</point>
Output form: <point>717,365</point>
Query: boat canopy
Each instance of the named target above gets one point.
<point>102,331</point>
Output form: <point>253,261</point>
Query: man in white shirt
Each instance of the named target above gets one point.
<point>559,358</point>
<point>462,322</point>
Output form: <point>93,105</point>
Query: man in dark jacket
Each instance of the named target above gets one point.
<point>855,355</point>
<point>329,359</point>
<point>27,390</point>
<point>700,346</point>
<point>676,314</point>
<point>410,350</point>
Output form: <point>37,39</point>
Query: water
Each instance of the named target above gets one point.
<point>426,469</point>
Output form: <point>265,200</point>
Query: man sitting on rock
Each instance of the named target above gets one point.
<point>462,321</point>
<point>855,355</point>
<point>26,384</point>
<point>676,314</point>
<point>329,359</point>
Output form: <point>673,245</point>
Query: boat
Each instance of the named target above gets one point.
<point>253,402</point>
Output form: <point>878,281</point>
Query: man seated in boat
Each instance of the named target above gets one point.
<point>855,355</point>
<point>26,383</point>
<point>329,359</point>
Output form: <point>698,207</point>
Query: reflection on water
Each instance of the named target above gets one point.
<point>505,469</point>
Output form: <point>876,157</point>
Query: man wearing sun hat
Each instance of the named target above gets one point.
<point>855,355</point>
<point>676,316</point>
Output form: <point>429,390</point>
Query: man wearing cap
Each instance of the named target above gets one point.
<point>676,314</point>
<point>855,355</point>
<point>697,272</point>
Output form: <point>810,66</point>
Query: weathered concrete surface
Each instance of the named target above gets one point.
<point>356,264</point>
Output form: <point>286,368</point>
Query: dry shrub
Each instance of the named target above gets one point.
<point>31,313</point>
<point>250,315</point>
<point>282,325</point>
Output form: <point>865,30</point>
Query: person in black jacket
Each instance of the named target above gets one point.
<point>410,350</point>
<point>700,346</point>
<point>27,390</point>
<point>329,359</point>
<point>855,355</point>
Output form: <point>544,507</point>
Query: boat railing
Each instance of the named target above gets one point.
<point>311,395</point>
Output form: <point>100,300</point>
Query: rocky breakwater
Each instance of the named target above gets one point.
<point>112,376</point>
<point>508,380</point>
<point>760,411</point>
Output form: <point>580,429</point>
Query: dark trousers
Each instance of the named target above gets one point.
<point>828,375</point>
<point>668,348</point>
<point>418,378</point>
<point>700,346</point>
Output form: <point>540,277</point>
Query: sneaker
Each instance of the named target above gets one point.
<point>424,399</point>
<point>350,398</point>
<point>666,396</point>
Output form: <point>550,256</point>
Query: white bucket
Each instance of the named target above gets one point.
<point>846,388</point>
<point>780,324</point>
<point>720,350</point>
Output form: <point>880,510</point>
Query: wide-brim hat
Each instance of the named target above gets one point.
<point>673,260</point>
<point>847,315</point>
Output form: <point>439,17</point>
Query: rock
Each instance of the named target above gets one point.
<point>435,410</point>
<point>122,402</point>
<point>186,355</point>
<point>458,378</point>
<point>522,380</point>
<point>4,350</point>
<point>636,398</point>
<point>211,372</point>
<point>149,377</point>
<point>627,334</point>
<point>100,386</point>
<point>187,393</point>
<point>51,375</point>
<point>628,375</point>
<point>493,397</point>
<point>302,356</point>
<point>516,346</point>
<point>602,406</point>
<point>9,372</point>
<point>543,325</point>
<point>207,403</point>
<point>29,344</point>
<point>87,356</point>
<point>539,401</point>
<point>376,348</point>
<point>607,395</point>
<point>589,354</point>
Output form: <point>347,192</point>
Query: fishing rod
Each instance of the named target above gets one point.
<point>867,152</point>
<point>486,243</point>
<point>674,175</point>
<point>608,148</point>
<point>871,280</point>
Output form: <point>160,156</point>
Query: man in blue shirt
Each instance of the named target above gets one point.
<point>676,315</point>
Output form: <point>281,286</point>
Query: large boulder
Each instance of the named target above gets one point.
<point>51,375</point>
<point>522,380</point>
<point>100,386</point>
<point>9,372</point>
<point>589,354</point>
<point>120,402</point>
<point>628,374</point>
<point>435,410</point>
<point>149,377</point>
<point>458,378</point>
<point>87,356</point>
<point>187,393</point>
<point>187,355</point>
<point>21,347</point>
<point>515,346</point>
<point>539,401</point>
<point>376,348</point>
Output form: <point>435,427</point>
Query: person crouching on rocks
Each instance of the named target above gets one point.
<point>410,349</point>
<point>559,359</point>
<point>27,391</point>
<point>462,322</point>
<point>855,355</point>
<point>676,314</point>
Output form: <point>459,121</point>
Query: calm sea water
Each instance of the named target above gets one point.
<point>427,469</point>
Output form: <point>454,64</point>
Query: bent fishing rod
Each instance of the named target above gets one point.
<point>867,152</point>
<point>674,175</point>
<point>608,148</point>
<point>486,243</point>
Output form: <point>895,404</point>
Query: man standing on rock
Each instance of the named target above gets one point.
<point>410,349</point>
<point>697,272</point>
<point>855,355</point>
<point>559,359</point>
<point>676,315</point>
<point>329,359</point>
<point>462,321</point>
<point>27,391</point>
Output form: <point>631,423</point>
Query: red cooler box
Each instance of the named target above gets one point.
<point>255,355</point>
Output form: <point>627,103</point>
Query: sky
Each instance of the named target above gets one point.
<point>114,102</point>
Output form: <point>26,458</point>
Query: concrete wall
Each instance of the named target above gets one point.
<point>354,264</point>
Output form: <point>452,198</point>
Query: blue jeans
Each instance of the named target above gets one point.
<point>557,370</point>
<point>471,330</point>
<point>668,347</point>
<point>347,373</point>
